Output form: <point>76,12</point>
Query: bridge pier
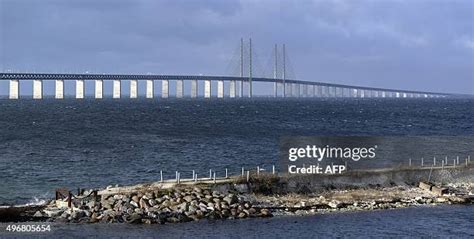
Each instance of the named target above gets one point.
<point>241,89</point>
<point>79,89</point>
<point>150,91</point>
<point>207,89</point>
<point>179,88</point>
<point>194,89</point>
<point>133,89</point>
<point>311,91</point>
<point>220,89</point>
<point>275,89</point>
<point>318,91</point>
<point>232,89</point>
<point>99,89</point>
<point>332,91</point>
<point>14,89</point>
<point>116,89</point>
<point>59,89</point>
<point>165,88</point>
<point>37,89</point>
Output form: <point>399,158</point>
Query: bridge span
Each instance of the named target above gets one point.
<point>237,87</point>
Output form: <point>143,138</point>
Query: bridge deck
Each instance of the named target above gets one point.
<point>59,76</point>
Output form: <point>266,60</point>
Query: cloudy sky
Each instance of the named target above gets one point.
<point>407,44</point>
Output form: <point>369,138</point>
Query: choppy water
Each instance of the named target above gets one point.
<point>71,143</point>
<point>422,222</point>
<point>48,144</point>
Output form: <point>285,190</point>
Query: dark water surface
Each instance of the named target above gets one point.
<point>89,143</point>
<point>422,222</point>
<point>94,143</point>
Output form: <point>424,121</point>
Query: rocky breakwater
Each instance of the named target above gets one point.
<point>159,206</point>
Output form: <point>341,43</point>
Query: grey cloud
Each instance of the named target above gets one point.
<point>423,45</point>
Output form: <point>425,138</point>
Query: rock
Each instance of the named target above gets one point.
<point>93,218</point>
<point>133,218</point>
<point>441,200</point>
<point>242,188</point>
<point>199,214</point>
<point>197,190</point>
<point>242,215</point>
<point>152,202</point>
<point>334,204</point>
<point>76,214</point>
<point>135,204</point>
<point>91,204</point>
<point>106,204</point>
<point>252,211</point>
<point>188,198</point>
<point>53,212</point>
<point>231,199</point>
<point>265,212</point>
<point>143,204</point>
<point>135,199</point>
<point>146,221</point>
<point>38,214</point>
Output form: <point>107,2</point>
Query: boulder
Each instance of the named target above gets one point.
<point>231,199</point>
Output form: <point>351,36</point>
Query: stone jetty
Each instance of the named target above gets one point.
<point>156,206</point>
<point>257,195</point>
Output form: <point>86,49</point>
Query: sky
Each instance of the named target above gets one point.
<point>404,44</point>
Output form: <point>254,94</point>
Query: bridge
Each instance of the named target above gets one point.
<point>238,86</point>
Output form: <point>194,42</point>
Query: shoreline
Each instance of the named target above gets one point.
<point>236,198</point>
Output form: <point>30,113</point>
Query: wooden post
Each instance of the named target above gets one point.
<point>434,161</point>
<point>258,170</point>
<point>210,173</point>
<point>196,178</point>
<point>69,199</point>
<point>442,164</point>
<point>422,162</point>
<point>409,162</point>
<point>214,177</point>
<point>176,174</point>
<point>193,174</point>
<point>242,171</point>
<point>273,169</point>
<point>226,176</point>
<point>454,163</point>
<point>248,176</point>
<point>457,159</point>
<point>161,176</point>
